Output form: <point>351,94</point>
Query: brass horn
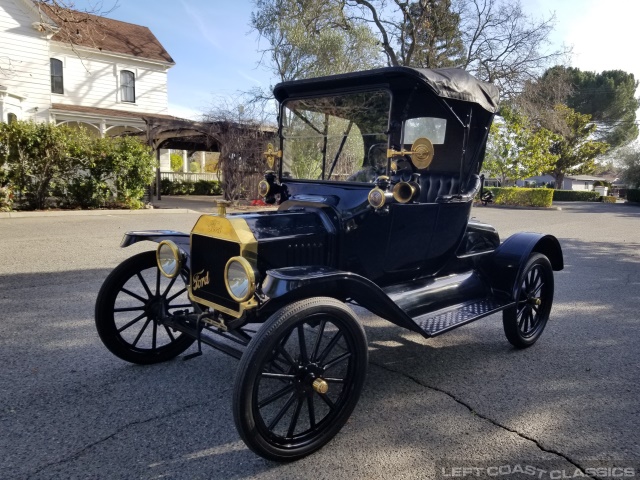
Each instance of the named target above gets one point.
<point>404,192</point>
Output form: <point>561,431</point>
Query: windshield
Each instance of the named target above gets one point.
<point>338,137</point>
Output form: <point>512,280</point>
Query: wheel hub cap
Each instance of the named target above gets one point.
<point>156,308</point>
<point>320,386</point>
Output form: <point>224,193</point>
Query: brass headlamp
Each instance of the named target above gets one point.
<point>379,196</point>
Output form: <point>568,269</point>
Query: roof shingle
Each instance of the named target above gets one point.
<point>106,34</point>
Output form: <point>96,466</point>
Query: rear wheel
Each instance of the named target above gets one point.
<point>525,321</point>
<point>300,378</point>
<point>131,302</point>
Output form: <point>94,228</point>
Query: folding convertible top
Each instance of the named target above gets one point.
<point>452,83</point>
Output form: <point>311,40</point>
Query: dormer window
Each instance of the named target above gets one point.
<point>57,84</point>
<point>128,86</point>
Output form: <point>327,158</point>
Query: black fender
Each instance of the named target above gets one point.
<point>179,238</point>
<point>285,285</point>
<point>503,267</point>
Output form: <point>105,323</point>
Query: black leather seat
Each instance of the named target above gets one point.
<point>434,185</point>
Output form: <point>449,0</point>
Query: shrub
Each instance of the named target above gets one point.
<point>523,197</point>
<point>41,156</point>
<point>207,187</point>
<point>633,195</point>
<point>194,167</point>
<point>44,161</point>
<point>85,191</point>
<point>575,196</point>
<point>187,187</point>
<point>165,186</point>
<point>176,162</point>
<point>608,199</point>
<point>119,171</point>
<point>6,199</point>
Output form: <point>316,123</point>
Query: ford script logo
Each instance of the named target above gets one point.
<point>200,280</point>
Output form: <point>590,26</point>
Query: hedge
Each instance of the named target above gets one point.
<point>521,197</point>
<point>44,165</point>
<point>608,199</point>
<point>575,196</point>
<point>187,187</point>
<point>633,195</point>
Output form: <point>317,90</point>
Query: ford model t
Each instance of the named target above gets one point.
<point>374,175</point>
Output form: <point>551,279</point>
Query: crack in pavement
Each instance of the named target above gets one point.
<point>486,418</point>
<point>79,453</point>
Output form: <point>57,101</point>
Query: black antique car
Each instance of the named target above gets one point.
<point>374,178</point>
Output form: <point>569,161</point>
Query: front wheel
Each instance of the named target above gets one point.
<point>300,378</point>
<point>524,322</point>
<point>132,301</point>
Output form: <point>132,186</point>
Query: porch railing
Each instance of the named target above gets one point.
<point>191,177</point>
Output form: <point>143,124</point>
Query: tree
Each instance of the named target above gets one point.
<point>176,161</point>
<point>628,160</point>
<point>309,38</point>
<point>424,33</point>
<point>516,149</point>
<point>539,97</point>
<point>492,39</point>
<point>576,152</point>
<point>243,136</point>
<point>609,97</point>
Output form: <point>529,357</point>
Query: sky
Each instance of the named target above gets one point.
<point>217,54</point>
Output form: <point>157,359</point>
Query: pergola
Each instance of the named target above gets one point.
<point>179,134</point>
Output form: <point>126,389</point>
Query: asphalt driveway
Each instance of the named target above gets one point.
<point>70,409</point>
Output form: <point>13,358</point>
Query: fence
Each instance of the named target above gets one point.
<point>185,176</point>
<point>250,180</point>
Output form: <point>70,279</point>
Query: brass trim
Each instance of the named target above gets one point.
<point>234,229</point>
<point>320,386</point>
<point>242,307</point>
<point>271,154</point>
<point>222,207</point>
<point>251,276</point>
<point>422,150</point>
<point>421,153</point>
<point>175,250</point>
<point>215,323</point>
<point>260,185</point>
<point>404,192</point>
<point>374,204</point>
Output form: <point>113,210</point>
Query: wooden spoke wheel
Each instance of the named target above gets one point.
<point>524,322</point>
<point>300,379</point>
<point>132,301</point>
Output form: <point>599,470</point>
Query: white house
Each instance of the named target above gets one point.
<point>100,73</point>
<point>571,182</point>
<point>116,72</point>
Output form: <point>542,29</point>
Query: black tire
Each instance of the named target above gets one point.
<point>132,298</point>
<point>262,405</point>
<point>525,321</point>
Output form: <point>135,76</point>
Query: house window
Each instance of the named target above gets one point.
<point>57,85</point>
<point>128,86</point>
<point>12,117</point>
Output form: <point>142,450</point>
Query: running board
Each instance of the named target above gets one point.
<point>440,321</point>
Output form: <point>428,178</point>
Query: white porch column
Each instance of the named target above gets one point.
<point>165,160</point>
<point>185,162</point>
<point>202,161</point>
